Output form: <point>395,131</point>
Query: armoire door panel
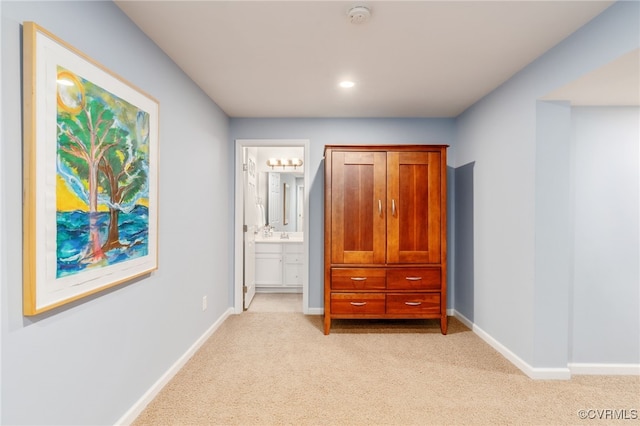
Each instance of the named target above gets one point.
<point>414,235</point>
<point>413,193</point>
<point>357,197</point>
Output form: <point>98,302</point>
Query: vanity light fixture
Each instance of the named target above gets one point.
<point>284,162</point>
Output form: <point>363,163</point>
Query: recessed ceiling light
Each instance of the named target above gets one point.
<point>347,84</point>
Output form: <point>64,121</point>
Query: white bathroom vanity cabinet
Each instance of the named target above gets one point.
<point>279,264</point>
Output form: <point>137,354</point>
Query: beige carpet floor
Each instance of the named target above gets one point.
<point>278,368</point>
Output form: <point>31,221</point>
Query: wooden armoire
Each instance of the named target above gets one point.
<point>385,247</point>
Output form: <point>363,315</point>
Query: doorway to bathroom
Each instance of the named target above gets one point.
<point>271,202</point>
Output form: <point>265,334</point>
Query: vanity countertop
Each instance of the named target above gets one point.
<point>275,238</point>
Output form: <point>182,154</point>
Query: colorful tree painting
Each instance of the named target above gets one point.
<point>102,169</point>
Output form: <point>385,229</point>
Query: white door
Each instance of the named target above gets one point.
<point>250,224</point>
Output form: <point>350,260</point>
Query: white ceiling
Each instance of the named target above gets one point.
<point>615,84</point>
<point>412,59</point>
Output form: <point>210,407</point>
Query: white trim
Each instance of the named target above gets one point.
<point>137,408</point>
<point>237,280</point>
<point>466,321</point>
<point>585,368</point>
<point>315,311</point>
<point>533,372</point>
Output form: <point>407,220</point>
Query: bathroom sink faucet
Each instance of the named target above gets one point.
<point>267,231</point>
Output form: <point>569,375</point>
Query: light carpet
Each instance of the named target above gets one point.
<point>278,368</point>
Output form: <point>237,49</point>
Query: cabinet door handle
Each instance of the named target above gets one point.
<point>393,207</point>
<point>413,303</point>
<point>413,278</point>
<point>358,303</point>
<point>380,208</point>
<point>358,278</point>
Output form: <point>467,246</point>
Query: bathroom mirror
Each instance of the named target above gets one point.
<point>279,193</point>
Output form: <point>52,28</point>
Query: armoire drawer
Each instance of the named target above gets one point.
<point>357,303</point>
<point>414,279</point>
<point>358,278</point>
<point>413,303</point>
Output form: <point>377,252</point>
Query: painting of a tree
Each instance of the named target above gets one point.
<point>102,159</point>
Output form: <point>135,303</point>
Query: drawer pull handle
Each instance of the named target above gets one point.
<point>358,303</point>
<point>413,303</point>
<point>380,208</point>
<point>358,278</point>
<point>413,278</point>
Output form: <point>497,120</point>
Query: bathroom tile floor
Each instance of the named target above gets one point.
<point>276,302</point>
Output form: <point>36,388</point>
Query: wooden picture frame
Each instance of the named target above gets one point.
<point>90,206</point>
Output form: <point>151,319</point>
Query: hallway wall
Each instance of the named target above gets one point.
<point>605,295</point>
<point>90,361</point>
<point>504,136</point>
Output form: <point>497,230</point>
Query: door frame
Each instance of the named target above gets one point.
<point>239,221</point>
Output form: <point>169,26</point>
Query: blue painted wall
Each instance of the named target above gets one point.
<point>605,295</point>
<point>510,137</point>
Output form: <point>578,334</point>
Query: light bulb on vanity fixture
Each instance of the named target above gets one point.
<point>284,162</point>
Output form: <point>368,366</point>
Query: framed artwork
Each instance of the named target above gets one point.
<point>90,204</point>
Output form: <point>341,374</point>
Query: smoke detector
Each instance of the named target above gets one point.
<point>359,14</point>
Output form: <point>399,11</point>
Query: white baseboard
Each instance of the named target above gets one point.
<point>148,396</point>
<point>550,373</point>
<point>466,321</point>
<point>535,373</point>
<point>604,369</point>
